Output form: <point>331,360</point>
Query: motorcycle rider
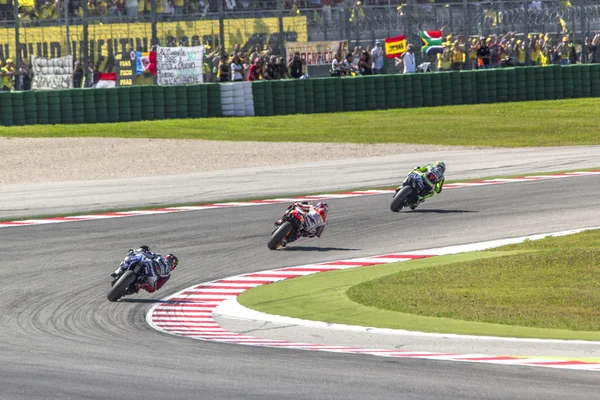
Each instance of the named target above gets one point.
<point>156,268</point>
<point>433,180</point>
<point>315,217</point>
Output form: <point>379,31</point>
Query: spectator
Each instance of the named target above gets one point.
<point>282,69</point>
<point>77,75</point>
<point>336,69</point>
<point>255,72</point>
<point>364,64</point>
<point>8,72</point>
<point>236,49</point>
<point>563,48</point>
<point>483,53</point>
<point>295,65</point>
<point>131,7</point>
<point>237,69</point>
<point>572,54</point>
<point>593,48</point>
<point>48,10</point>
<point>223,71</point>
<point>356,57</point>
<point>179,5</point>
<point>520,53</point>
<point>536,48</point>
<point>271,69</point>
<point>458,56</point>
<point>347,69</point>
<point>408,59</point>
<point>445,58</point>
<point>377,55</point>
<point>246,64</point>
<point>23,79</point>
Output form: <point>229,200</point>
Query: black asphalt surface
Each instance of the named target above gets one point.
<point>61,339</point>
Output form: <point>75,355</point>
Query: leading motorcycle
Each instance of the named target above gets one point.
<point>288,228</point>
<point>408,194</point>
<point>131,276</point>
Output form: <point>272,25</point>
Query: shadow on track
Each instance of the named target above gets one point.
<point>425,211</point>
<point>310,248</point>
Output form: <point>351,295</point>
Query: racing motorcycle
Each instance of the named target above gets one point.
<point>288,228</point>
<point>407,195</point>
<point>127,282</point>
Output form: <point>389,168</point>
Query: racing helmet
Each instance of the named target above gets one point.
<point>172,260</point>
<point>323,206</point>
<point>442,165</point>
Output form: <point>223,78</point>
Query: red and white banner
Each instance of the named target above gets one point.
<point>317,53</point>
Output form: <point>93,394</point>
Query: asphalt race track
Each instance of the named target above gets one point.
<point>61,338</point>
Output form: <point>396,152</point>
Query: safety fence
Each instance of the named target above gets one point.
<point>299,96</point>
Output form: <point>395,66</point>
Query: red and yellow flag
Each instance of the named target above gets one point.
<point>395,47</point>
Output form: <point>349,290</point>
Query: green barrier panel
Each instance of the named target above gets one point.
<point>530,83</point>
<point>520,84</point>
<point>136,101</point>
<point>360,91</point>
<point>258,97</point>
<point>408,90</point>
<point>18,108</point>
<point>78,110</point>
<point>147,104</point>
<point>549,83</point>
<point>339,98</point>
<point>100,96</point>
<point>427,93</point>
<point>194,101</point>
<point>379,82</point>
<point>349,93</point>
<point>329,94</point>
<point>66,106</point>
<point>558,81</point>
<point>204,100</point>
<point>538,72</point>
<point>455,81</point>
<point>6,113</point>
<point>586,87</point>
<point>319,95</point>
<point>289,89</point>
<point>182,101</point>
<point>299,86</point>
<point>577,80</point>
<point>171,102</point>
<point>370,97</point>
<point>309,96</point>
<point>158,98</point>
<point>390,91</point>
<point>436,89</point>
<point>492,85</point>
<point>400,94</point>
<point>89,106</point>
<point>54,107</point>
<point>31,106</point>
<point>417,90</point>
<point>41,102</point>
<point>446,83</point>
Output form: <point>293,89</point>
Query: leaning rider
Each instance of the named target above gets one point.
<point>433,179</point>
<point>156,268</point>
<point>315,217</point>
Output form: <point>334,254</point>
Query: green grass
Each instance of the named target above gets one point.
<point>540,289</point>
<point>542,123</point>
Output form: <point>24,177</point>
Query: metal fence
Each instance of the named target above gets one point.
<point>94,30</point>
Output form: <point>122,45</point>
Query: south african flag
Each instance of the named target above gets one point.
<point>432,42</point>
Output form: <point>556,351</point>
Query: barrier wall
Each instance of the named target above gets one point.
<point>315,95</point>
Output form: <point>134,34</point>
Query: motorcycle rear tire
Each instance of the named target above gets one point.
<point>122,284</point>
<point>277,236</point>
<point>400,197</point>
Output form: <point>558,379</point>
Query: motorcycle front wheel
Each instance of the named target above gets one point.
<point>400,197</point>
<point>120,286</point>
<point>277,236</point>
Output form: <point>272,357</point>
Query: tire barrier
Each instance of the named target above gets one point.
<point>299,96</point>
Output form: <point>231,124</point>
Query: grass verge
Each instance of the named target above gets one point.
<point>530,290</point>
<point>540,123</point>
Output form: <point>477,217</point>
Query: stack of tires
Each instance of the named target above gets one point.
<point>289,90</point>
<point>360,90</point>
<point>417,89</point>
<point>379,91</point>
<point>330,97</point>
<point>502,85</point>
<point>78,107</point>
<point>279,107</point>
<point>171,102</point>
<point>369,93</point>
<point>6,116</point>
<point>31,105</point>
<point>426,81</point>
<point>43,111</point>
<point>568,87</point>
<point>557,75</point>
<point>54,107</point>
<point>300,95</point>
<point>112,105</point>
<point>309,96</point>
<point>548,83</point>
<point>197,101</point>
<point>530,83</point>
<point>390,92</point>
<point>400,81</point>
<point>586,87</point>
<point>135,95</point>
<point>158,100</point>
<point>595,79</point>
<point>511,84</point>
<point>18,108</point>
<point>147,102</point>
<point>258,96</point>
<point>66,107</point>
<point>89,106</point>
<point>349,94</point>
<point>446,89</point>
<point>182,103</point>
<point>124,95</point>
<point>538,73</point>
<point>214,100</point>
<point>455,84</point>
<point>100,97</point>
<point>319,95</point>
<point>521,83</point>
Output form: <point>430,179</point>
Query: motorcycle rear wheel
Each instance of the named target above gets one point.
<point>122,284</point>
<point>277,236</point>
<point>400,197</point>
